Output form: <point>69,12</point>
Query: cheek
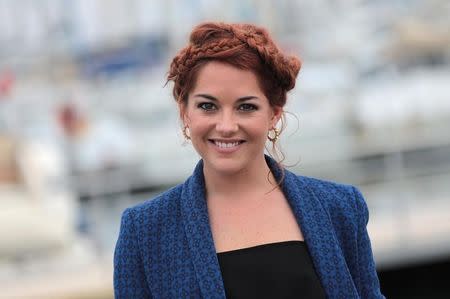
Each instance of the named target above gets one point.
<point>257,127</point>
<point>199,126</point>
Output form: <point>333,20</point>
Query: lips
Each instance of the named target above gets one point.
<point>226,144</point>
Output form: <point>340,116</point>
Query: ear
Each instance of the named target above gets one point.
<point>277,113</point>
<point>182,111</point>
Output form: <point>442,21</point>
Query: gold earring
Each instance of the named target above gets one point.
<point>185,133</point>
<point>276,134</point>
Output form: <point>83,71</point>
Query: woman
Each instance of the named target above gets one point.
<point>242,226</point>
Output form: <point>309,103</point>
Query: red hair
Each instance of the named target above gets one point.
<point>244,46</point>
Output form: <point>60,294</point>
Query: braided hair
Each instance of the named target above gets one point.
<point>244,46</point>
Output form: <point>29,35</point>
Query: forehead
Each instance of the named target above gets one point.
<point>219,77</point>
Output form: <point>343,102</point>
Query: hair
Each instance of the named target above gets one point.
<point>244,46</point>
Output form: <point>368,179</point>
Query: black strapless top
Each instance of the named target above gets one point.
<point>275,270</point>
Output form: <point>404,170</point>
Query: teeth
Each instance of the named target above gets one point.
<point>224,145</point>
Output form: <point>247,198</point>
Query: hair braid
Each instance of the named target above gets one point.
<point>284,68</point>
<point>242,45</point>
<point>192,54</point>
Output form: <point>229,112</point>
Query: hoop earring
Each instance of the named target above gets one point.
<point>185,133</point>
<point>276,134</point>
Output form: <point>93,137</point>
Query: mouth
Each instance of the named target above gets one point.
<point>226,144</point>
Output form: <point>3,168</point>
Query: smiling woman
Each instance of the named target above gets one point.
<point>242,226</point>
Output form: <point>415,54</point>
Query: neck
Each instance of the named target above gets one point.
<point>256,178</point>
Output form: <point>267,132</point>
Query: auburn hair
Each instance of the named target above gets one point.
<point>244,46</point>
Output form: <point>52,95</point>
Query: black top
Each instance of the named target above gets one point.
<point>275,270</point>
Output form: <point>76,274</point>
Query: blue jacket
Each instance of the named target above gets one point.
<point>165,247</point>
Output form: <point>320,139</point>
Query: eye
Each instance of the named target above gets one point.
<point>207,106</point>
<point>248,107</point>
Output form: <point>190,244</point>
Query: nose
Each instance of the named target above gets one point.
<point>227,124</point>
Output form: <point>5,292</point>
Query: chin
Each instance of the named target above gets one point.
<point>225,166</point>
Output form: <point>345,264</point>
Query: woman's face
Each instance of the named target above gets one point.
<point>228,117</point>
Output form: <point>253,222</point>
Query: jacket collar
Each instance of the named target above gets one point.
<point>313,218</point>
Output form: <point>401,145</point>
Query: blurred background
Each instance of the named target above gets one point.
<point>87,127</point>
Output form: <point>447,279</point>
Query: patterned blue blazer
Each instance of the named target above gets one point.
<point>165,247</point>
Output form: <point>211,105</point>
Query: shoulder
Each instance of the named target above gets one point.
<point>320,186</point>
<point>339,199</point>
<point>158,208</point>
<point>343,204</point>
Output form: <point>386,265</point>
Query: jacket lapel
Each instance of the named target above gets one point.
<point>318,232</point>
<point>199,236</point>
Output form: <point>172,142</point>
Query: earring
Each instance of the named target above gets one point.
<point>276,134</point>
<point>185,133</point>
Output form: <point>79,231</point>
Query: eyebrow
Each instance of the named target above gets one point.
<point>210,97</point>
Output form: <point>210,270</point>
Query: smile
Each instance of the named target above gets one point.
<point>226,145</point>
